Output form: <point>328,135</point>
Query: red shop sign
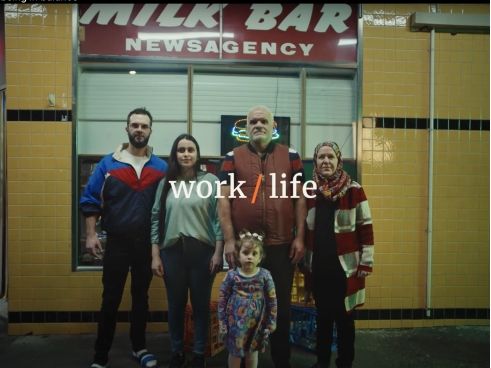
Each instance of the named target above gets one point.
<point>301,33</point>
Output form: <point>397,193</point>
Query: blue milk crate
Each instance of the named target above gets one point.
<point>303,326</point>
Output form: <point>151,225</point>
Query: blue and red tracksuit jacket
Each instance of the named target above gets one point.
<point>123,200</point>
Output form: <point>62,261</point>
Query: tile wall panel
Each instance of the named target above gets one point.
<point>394,169</point>
<point>396,72</point>
<point>38,48</point>
<point>462,76</point>
<point>38,62</point>
<point>396,66</point>
<point>395,161</point>
<point>461,219</point>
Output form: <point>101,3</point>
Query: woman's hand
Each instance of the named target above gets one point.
<point>157,266</point>
<point>362,273</point>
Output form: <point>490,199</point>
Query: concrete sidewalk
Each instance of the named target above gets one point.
<point>435,347</point>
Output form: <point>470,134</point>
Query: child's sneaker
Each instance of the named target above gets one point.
<point>177,360</point>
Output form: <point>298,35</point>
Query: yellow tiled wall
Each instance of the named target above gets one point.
<point>39,55</point>
<point>394,169</point>
<point>395,163</point>
<point>461,220</point>
<point>462,76</point>
<point>395,62</point>
<point>396,65</point>
<point>39,209</point>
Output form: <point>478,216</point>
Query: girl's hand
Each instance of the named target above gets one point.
<point>266,333</point>
<point>222,332</point>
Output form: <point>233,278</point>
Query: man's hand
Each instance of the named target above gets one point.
<point>216,263</point>
<point>93,245</point>
<point>297,250</point>
<point>229,250</point>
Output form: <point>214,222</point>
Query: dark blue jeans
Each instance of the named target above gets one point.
<point>121,255</point>
<point>187,267</point>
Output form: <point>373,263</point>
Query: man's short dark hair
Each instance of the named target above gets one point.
<point>139,111</point>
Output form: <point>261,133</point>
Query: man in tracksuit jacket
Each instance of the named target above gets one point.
<point>121,191</point>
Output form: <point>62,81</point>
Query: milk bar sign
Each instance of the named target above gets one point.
<point>301,33</point>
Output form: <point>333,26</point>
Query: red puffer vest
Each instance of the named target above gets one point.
<point>274,216</point>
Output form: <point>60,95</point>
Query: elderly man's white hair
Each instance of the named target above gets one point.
<point>262,108</point>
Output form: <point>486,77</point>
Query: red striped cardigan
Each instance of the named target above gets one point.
<point>354,238</point>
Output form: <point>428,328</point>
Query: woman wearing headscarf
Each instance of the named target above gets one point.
<point>340,235</point>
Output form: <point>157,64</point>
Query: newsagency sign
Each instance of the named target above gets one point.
<point>299,33</point>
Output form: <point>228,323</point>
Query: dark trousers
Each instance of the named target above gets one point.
<point>277,261</point>
<point>121,255</point>
<point>187,267</point>
<point>329,292</point>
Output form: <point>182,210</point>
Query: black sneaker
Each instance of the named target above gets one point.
<point>198,361</point>
<point>177,360</point>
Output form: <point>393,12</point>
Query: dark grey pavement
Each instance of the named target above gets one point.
<point>435,347</point>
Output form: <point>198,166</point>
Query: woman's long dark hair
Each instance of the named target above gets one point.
<point>173,172</point>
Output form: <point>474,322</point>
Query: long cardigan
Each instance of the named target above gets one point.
<point>354,239</point>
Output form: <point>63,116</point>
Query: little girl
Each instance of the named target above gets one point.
<point>247,303</point>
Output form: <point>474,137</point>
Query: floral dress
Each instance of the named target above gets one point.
<point>246,307</point>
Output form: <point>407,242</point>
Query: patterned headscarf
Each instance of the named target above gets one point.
<point>335,186</point>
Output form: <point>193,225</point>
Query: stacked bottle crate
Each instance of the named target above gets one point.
<point>214,345</point>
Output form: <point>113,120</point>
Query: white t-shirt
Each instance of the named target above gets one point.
<point>136,161</point>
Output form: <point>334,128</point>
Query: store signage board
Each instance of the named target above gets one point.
<point>295,33</point>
